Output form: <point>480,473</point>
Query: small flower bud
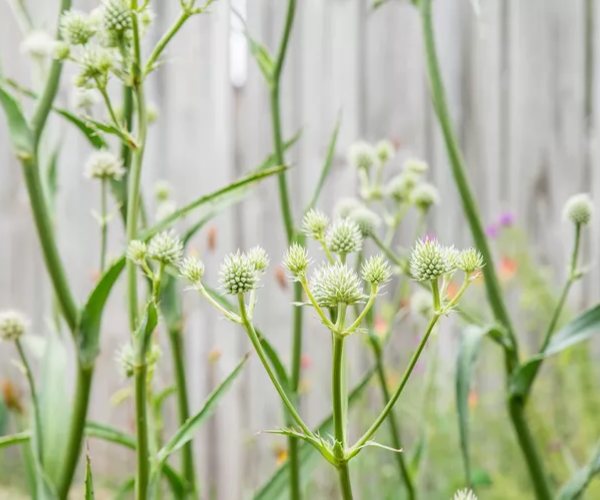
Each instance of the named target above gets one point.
<point>376,270</point>
<point>165,248</point>
<point>429,260</point>
<point>103,165</point>
<point>192,269</point>
<point>415,166</point>
<point>401,186</point>
<point>345,206</point>
<point>366,220</point>
<point>38,44</point>
<point>362,155</point>
<point>336,284</point>
<point>296,260</point>
<point>579,209</point>
<point>425,195</point>
<point>137,252</point>
<point>314,224</point>
<point>12,325</point>
<point>258,258</point>
<point>76,27</point>
<point>162,190</point>
<point>465,494</point>
<point>469,260</point>
<point>344,237</point>
<point>61,50</point>
<point>238,274</point>
<point>385,151</point>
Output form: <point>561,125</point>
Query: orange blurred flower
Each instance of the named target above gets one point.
<point>507,268</point>
<point>281,277</point>
<point>211,238</point>
<point>11,396</point>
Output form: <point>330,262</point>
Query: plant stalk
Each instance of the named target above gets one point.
<point>345,485</point>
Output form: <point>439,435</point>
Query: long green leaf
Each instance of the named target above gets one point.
<point>581,328</point>
<point>575,487</point>
<point>89,481</point>
<point>467,355</point>
<point>186,432</point>
<point>91,316</point>
<point>271,160</point>
<point>90,133</point>
<point>18,129</point>
<point>277,486</point>
<point>13,439</point>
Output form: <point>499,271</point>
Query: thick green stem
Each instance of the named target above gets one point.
<point>345,484</point>
<point>183,405</point>
<point>337,385</point>
<point>141,412</point>
<point>81,401</point>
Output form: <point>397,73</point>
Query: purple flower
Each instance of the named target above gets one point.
<point>492,230</point>
<point>506,219</point>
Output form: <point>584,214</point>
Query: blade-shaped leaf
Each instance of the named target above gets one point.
<point>277,486</point>
<point>108,128</point>
<point>18,129</point>
<point>149,322</point>
<point>576,331</point>
<point>89,132</point>
<point>91,316</point>
<point>89,481</point>
<point>13,439</point>
<point>186,432</point>
<point>271,160</point>
<point>467,355</point>
<point>575,487</point>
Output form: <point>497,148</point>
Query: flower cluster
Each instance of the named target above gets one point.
<point>430,260</point>
<point>104,165</point>
<point>165,249</point>
<point>12,325</point>
<point>579,209</point>
<point>241,271</point>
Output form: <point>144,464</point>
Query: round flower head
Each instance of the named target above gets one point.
<point>400,187</point>
<point>362,155</point>
<point>469,260</point>
<point>579,209</point>
<point>96,64</point>
<point>465,494</point>
<point>366,220</point>
<point>116,17</point>
<point>376,270</point>
<point>125,358</point>
<point>314,224</point>
<point>137,251</point>
<point>76,27</point>
<point>425,195</point>
<point>238,274</point>
<point>61,50</point>
<point>344,237</point>
<point>429,260</point>
<point>415,166</point>
<point>385,151</point>
<point>296,260</point>
<point>104,165</point>
<point>165,248</point>
<point>421,303</point>
<point>345,206</point>
<point>336,284</point>
<point>258,258</point>
<point>12,325</point>
<point>38,44</point>
<point>192,269</point>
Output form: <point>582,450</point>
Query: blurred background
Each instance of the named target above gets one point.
<point>523,89</point>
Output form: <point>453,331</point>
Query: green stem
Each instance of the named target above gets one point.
<point>103,224</point>
<point>81,401</point>
<point>183,405</point>
<point>337,392</point>
<point>141,412</point>
<point>165,39</point>
<point>345,485</point>
<point>386,250</point>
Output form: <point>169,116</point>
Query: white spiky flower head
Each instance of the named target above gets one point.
<point>464,494</point>
<point>104,165</point>
<point>344,237</point>
<point>192,269</point>
<point>469,260</point>
<point>362,155</point>
<point>238,274</point>
<point>336,284</point>
<point>116,17</point>
<point>96,64</point>
<point>366,220</point>
<point>38,44</point>
<point>315,223</point>
<point>345,206</point>
<point>77,28</point>
<point>296,260</point>
<point>424,195</point>
<point>258,258</point>
<point>13,325</point>
<point>421,302</point>
<point>385,150</point>
<point>401,186</point>
<point>415,166</point>
<point>429,260</point>
<point>376,270</point>
<point>165,248</point>
<point>579,209</point>
<point>125,358</point>
<point>137,251</point>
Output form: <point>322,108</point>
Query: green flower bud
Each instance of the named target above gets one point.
<point>76,27</point>
<point>192,269</point>
<point>425,195</point>
<point>400,187</point>
<point>344,237</point>
<point>61,51</point>
<point>296,260</point>
<point>362,155</point>
<point>376,270</point>
<point>579,209</point>
<point>238,274</point>
<point>116,16</point>
<point>137,252</point>
<point>465,494</point>
<point>314,224</point>
<point>430,260</point>
<point>12,325</point>
<point>366,220</point>
<point>385,151</point>
<point>336,284</point>
<point>162,190</point>
<point>345,206</point>
<point>103,165</point>
<point>415,166</point>
<point>258,258</point>
<point>469,260</point>
<point>165,248</point>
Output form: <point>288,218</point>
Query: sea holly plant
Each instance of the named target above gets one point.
<point>341,300</point>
